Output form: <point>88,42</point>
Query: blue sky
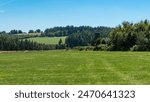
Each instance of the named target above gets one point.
<point>34,14</point>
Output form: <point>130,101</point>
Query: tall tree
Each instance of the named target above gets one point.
<point>38,31</point>
<point>31,31</point>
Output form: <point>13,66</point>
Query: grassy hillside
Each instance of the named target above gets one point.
<point>60,67</point>
<point>48,40</point>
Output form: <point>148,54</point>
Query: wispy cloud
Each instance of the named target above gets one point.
<point>2,11</point>
<point>6,3</point>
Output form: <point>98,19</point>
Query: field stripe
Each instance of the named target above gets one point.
<point>124,77</point>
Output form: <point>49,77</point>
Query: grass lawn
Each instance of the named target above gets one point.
<point>73,67</point>
<point>48,40</point>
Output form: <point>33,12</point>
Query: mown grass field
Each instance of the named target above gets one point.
<point>74,68</point>
<point>48,40</point>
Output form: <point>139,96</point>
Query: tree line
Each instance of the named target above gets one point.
<point>13,43</point>
<point>70,30</point>
<point>14,31</point>
<point>125,37</point>
<point>130,36</point>
<point>86,36</point>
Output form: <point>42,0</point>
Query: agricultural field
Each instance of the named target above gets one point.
<point>74,68</point>
<point>47,40</point>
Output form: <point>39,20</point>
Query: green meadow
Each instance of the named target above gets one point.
<point>48,40</point>
<point>74,68</point>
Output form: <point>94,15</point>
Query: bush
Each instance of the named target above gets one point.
<point>134,48</point>
<point>79,48</point>
<point>139,48</point>
<point>102,47</point>
<point>84,48</point>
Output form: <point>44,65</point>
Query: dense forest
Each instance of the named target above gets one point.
<point>76,36</point>
<point>129,36</point>
<point>70,30</point>
<point>86,36</point>
<point>12,43</point>
<point>125,37</point>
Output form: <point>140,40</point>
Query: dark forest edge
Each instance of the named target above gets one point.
<point>125,37</point>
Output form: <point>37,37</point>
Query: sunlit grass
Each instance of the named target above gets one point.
<point>73,67</point>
